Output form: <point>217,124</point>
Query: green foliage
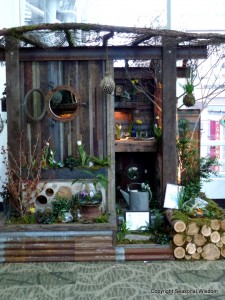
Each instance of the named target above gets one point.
<point>45,217</point>
<point>105,162</point>
<point>72,162</point>
<point>99,179</point>
<point>194,170</point>
<point>59,204</point>
<point>62,203</point>
<point>157,230</point>
<point>180,199</point>
<point>211,211</point>
<point>122,232</point>
<point>188,87</point>
<point>157,133</point>
<point>48,159</point>
<point>26,219</point>
<point>82,153</point>
<point>102,219</point>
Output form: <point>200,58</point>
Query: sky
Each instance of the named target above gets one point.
<point>185,14</point>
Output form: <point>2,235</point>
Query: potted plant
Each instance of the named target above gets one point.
<point>90,195</point>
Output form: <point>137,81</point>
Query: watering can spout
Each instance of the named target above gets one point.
<point>125,196</point>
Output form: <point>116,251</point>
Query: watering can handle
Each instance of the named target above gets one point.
<point>134,183</point>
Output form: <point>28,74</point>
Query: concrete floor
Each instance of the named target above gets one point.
<point>170,280</point>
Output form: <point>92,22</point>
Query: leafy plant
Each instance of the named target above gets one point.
<point>62,203</point>
<point>189,99</point>
<point>105,162</point>
<point>157,133</point>
<point>102,219</point>
<point>122,232</point>
<point>188,87</point>
<point>158,229</point>
<point>194,170</point>
<point>82,153</point>
<point>98,180</point>
<point>90,197</point>
<point>72,162</point>
<point>45,217</point>
<point>59,204</point>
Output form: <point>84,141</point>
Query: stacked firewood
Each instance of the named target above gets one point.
<point>194,241</point>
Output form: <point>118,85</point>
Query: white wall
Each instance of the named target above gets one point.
<point>11,14</point>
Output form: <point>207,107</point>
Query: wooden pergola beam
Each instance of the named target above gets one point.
<point>99,53</point>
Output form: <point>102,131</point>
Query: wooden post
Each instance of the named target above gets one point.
<point>110,143</point>
<point>13,94</point>
<point>169,165</point>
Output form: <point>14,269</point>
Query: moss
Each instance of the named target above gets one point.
<point>102,219</point>
<point>129,242</point>
<point>69,37</point>
<point>214,211</point>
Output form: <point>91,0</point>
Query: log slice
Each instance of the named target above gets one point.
<point>192,228</point>
<point>215,224</point>
<point>191,248</point>
<point>179,252</point>
<point>210,252</point>
<point>215,237</point>
<point>199,239</point>
<point>179,239</point>
<point>206,230</point>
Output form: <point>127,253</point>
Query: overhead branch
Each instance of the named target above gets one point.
<point>142,33</point>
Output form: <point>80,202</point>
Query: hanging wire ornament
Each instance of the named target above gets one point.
<point>1,124</point>
<point>107,84</point>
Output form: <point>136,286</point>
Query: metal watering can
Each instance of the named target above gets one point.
<point>136,199</point>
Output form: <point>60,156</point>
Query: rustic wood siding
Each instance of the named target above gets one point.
<point>89,125</point>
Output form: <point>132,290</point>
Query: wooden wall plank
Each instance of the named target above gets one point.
<point>13,95</point>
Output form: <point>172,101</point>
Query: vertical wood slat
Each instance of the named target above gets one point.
<point>169,166</point>
<point>91,96</point>
<point>13,94</point>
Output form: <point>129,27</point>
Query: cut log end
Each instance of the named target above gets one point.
<point>178,225</point>
<point>206,230</point>
<point>179,239</point>
<point>215,224</point>
<point>191,248</point>
<point>210,252</point>
<point>179,252</point>
<point>192,228</point>
<point>215,237</point>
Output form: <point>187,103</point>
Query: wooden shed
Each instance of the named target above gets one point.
<point>74,58</point>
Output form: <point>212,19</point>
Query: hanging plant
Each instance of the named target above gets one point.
<point>107,84</point>
<point>189,98</point>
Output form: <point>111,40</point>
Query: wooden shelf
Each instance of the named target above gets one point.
<point>136,145</point>
<point>132,105</point>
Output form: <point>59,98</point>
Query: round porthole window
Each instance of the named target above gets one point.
<point>62,104</point>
